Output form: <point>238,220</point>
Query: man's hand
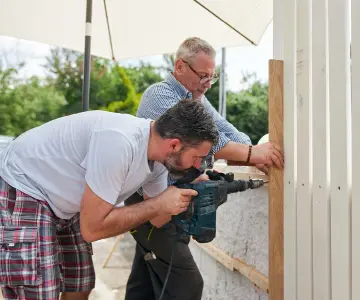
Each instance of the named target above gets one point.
<point>263,156</point>
<point>174,201</point>
<point>202,177</point>
<point>267,155</point>
<point>263,168</point>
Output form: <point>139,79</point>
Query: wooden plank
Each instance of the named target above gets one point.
<point>355,109</point>
<point>257,278</point>
<point>276,184</point>
<point>339,97</point>
<point>218,254</point>
<point>304,152</point>
<point>321,154</point>
<point>290,139</point>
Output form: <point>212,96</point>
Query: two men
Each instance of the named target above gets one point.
<point>62,186</point>
<point>194,73</point>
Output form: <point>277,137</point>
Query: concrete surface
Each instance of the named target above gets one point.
<point>242,232</point>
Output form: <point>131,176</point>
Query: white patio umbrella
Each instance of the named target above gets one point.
<point>120,29</point>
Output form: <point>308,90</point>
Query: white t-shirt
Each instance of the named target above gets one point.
<point>108,151</point>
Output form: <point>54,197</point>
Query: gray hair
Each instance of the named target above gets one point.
<point>192,46</point>
<point>188,121</point>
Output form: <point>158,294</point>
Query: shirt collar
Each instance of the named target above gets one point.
<point>179,88</point>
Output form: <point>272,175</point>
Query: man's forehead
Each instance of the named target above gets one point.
<point>204,60</point>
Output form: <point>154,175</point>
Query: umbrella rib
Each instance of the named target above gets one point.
<point>109,31</point>
<point>226,23</point>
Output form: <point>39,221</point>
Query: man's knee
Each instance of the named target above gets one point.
<point>189,285</point>
<point>195,281</point>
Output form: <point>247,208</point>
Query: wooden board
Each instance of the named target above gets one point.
<point>355,70</point>
<point>257,278</point>
<point>290,270</point>
<point>276,184</point>
<point>321,154</point>
<point>339,99</point>
<point>304,152</point>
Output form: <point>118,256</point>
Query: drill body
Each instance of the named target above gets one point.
<point>199,220</point>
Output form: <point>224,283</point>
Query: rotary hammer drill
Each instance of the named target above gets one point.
<point>199,220</point>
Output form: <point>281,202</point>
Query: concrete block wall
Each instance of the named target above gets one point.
<point>242,232</point>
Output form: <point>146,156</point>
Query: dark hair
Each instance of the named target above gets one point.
<point>189,122</point>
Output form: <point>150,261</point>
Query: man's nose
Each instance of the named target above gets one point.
<point>207,84</point>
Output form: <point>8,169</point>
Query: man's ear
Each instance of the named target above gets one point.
<point>179,66</point>
<point>174,145</point>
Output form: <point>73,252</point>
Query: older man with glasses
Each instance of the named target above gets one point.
<point>193,75</point>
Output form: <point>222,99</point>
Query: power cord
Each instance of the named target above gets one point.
<point>177,237</point>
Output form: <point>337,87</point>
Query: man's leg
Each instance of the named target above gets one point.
<point>139,286</point>
<point>185,281</point>
<point>78,274</point>
<point>28,247</point>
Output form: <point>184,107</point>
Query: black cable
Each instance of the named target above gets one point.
<point>169,268</point>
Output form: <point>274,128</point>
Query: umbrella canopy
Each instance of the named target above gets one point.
<point>248,18</point>
<point>137,27</point>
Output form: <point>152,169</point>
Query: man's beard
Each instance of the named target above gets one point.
<point>173,165</point>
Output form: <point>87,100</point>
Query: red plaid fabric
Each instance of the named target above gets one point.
<point>40,254</point>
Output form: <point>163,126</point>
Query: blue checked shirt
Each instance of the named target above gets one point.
<point>159,97</point>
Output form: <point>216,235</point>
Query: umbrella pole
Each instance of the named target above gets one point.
<point>87,58</point>
<point>222,90</point>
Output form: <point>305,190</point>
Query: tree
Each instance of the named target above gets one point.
<point>25,104</point>
<point>143,76</point>
<point>112,87</point>
<point>248,109</point>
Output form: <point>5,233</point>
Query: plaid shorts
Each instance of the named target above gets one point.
<point>41,255</point>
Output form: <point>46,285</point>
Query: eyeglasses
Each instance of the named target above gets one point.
<point>203,79</point>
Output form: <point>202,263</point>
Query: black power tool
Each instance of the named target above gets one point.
<point>199,220</point>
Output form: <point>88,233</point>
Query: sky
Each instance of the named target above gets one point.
<point>238,59</point>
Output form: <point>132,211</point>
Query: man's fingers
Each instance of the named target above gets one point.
<point>188,192</point>
<point>279,157</point>
<point>276,161</point>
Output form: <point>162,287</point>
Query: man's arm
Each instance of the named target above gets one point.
<point>234,145</point>
<point>162,219</point>
<point>99,219</point>
<point>154,188</point>
<point>159,220</point>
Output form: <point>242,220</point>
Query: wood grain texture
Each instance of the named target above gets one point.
<point>276,184</point>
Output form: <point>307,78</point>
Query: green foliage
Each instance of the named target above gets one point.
<point>25,104</point>
<point>142,77</point>
<point>248,109</point>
